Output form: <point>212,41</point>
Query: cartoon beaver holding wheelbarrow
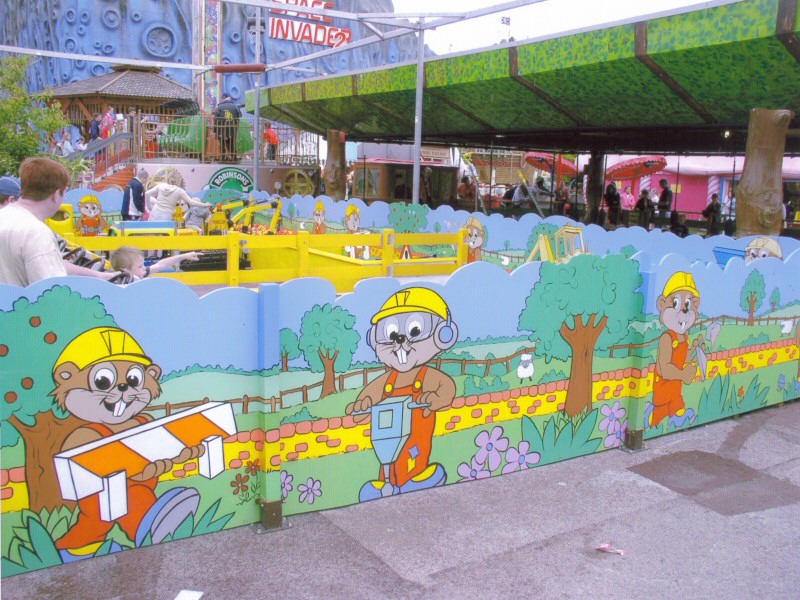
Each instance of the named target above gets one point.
<point>409,330</point>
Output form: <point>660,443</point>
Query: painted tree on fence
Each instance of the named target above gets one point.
<point>578,307</point>
<point>775,299</point>
<point>328,341</point>
<point>753,292</point>
<point>290,348</point>
<point>33,336</point>
<point>408,218</point>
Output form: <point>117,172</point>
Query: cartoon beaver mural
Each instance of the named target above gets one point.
<point>409,330</point>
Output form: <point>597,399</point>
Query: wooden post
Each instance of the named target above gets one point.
<point>594,186</point>
<point>335,165</point>
<point>759,198</point>
<point>245,403</point>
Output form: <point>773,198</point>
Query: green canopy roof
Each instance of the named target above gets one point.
<point>679,83</point>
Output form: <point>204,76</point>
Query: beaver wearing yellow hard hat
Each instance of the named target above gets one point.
<point>104,376</point>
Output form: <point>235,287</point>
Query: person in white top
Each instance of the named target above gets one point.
<point>28,248</point>
<point>66,145</point>
<point>162,198</point>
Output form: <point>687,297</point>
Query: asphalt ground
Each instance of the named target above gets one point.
<point>711,512</point>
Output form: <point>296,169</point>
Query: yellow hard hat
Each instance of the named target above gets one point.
<point>320,207</point>
<point>351,209</point>
<point>415,299</point>
<point>474,223</point>
<point>89,199</point>
<point>767,244</point>
<point>102,343</point>
<point>680,282</point>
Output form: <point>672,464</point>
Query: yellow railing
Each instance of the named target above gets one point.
<point>278,258</point>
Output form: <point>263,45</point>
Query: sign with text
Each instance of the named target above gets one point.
<point>313,29</point>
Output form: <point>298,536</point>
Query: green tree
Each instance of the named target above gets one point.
<point>753,292</point>
<point>34,334</point>
<point>775,298</point>
<point>289,347</point>
<point>328,341</point>
<point>408,218</point>
<point>578,307</point>
<point>24,118</point>
<point>548,230</point>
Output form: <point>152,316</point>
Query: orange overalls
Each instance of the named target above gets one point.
<point>89,529</point>
<point>90,226</point>
<point>413,458</point>
<point>667,395</point>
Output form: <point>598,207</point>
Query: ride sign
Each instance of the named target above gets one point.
<point>231,178</point>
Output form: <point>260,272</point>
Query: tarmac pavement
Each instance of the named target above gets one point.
<point>707,513</point>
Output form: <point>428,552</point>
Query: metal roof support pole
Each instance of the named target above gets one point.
<point>257,111</point>
<point>418,111</point>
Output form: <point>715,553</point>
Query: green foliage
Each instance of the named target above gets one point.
<point>775,298</point>
<point>628,250</point>
<point>722,399</point>
<point>546,229</point>
<point>474,385</point>
<point>76,167</point>
<point>755,288</point>
<point>24,118</point>
<point>408,218</point>
<point>569,293</point>
<point>497,369</point>
<point>230,370</point>
<point>328,331</point>
<point>289,344</point>
<point>562,437</point>
<point>41,330</point>
<point>754,340</point>
<point>33,546</point>
<point>188,528</point>
<point>301,415</point>
<point>553,375</point>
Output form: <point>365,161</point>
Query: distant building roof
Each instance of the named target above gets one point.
<point>133,82</point>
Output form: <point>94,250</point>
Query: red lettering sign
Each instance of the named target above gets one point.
<point>310,33</point>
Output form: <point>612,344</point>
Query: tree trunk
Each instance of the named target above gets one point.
<point>335,166</point>
<point>42,442</point>
<point>329,378</point>
<point>759,197</point>
<point>284,362</point>
<point>581,339</point>
<point>751,301</point>
<point>594,187</point>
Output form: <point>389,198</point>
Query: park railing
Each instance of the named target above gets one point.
<point>169,136</point>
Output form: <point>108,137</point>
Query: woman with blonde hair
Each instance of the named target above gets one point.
<point>162,198</point>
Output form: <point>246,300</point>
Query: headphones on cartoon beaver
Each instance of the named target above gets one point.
<point>444,333</point>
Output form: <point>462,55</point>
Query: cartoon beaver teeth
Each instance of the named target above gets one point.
<point>117,407</point>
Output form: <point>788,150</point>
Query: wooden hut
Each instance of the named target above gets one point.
<point>127,88</point>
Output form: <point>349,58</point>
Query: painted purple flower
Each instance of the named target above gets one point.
<point>309,490</point>
<point>518,460</point>
<point>615,439</point>
<point>286,484</point>
<point>490,446</point>
<point>614,414</point>
<point>470,473</point>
